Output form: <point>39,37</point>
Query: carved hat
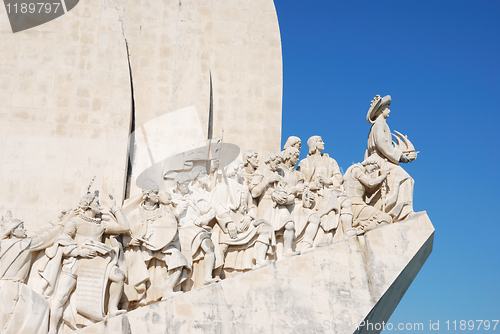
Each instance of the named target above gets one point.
<point>376,105</point>
<point>149,185</point>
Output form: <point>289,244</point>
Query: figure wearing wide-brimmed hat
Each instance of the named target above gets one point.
<point>396,197</point>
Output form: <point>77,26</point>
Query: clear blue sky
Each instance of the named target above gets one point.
<point>439,60</point>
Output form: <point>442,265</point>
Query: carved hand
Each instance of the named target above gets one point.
<point>404,158</point>
<point>134,242</point>
<point>273,178</point>
<point>300,187</point>
<point>231,229</point>
<point>198,221</point>
<point>88,253</point>
<point>63,213</point>
<point>181,207</point>
<point>215,165</point>
<point>412,156</point>
<point>110,201</point>
<point>325,181</point>
<point>245,224</point>
<point>315,186</point>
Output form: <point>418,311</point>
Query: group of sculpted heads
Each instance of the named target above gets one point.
<point>101,259</point>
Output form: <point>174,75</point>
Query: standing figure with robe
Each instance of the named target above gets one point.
<point>87,258</point>
<point>305,218</point>
<point>22,310</point>
<point>269,188</point>
<point>242,239</point>
<point>397,199</point>
<point>155,264</point>
<point>322,174</point>
<point>194,213</point>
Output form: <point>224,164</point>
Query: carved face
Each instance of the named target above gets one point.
<point>297,145</point>
<point>19,231</point>
<point>202,177</point>
<point>320,145</point>
<point>183,187</point>
<point>294,158</point>
<point>386,111</point>
<point>152,196</point>
<point>273,164</point>
<point>95,206</point>
<point>254,160</point>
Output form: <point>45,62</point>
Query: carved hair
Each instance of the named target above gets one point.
<point>291,141</point>
<point>274,155</point>
<point>311,144</point>
<point>372,160</point>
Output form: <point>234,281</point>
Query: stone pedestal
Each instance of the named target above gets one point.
<point>334,288</point>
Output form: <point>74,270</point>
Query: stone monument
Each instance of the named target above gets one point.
<point>210,228</point>
<point>111,88</point>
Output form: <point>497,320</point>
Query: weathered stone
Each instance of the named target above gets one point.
<point>335,287</point>
<point>72,90</point>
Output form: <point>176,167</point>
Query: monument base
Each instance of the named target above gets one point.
<point>330,289</point>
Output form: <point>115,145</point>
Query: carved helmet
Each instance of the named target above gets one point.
<point>375,106</point>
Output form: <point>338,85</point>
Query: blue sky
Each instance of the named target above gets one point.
<point>439,60</point>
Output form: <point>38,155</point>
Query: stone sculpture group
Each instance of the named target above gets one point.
<point>100,259</point>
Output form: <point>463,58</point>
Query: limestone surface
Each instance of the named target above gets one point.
<point>334,288</point>
<point>72,91</point>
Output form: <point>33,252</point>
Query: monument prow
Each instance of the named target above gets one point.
<point>351,286</point>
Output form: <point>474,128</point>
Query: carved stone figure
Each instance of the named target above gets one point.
<point>155,264</point>
<point>194,213</point>
<point>200,181</point>
<point>46,266</point>
<point>305,218</point>
<point>250,164</point>
<point>17,300</point>
<point>322,174</point>
<point>88,264</point>
<point>357,179</point>
<point>398,201</point>
<point>238,230</point>
<point>268,188</point>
